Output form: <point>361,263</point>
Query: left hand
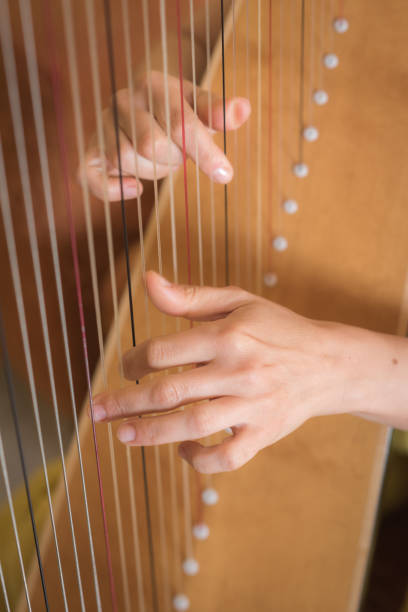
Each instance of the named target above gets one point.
<point>265,370</point>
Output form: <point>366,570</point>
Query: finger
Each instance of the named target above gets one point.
<point>132,163</point>
<point>191,424</point>
<point>211,112</point>
<point>162,393</point>
<point>197,303</point>
<point>148,133</point>
<point>231,454</point>
<point>104,186</point>
<point>196,345</point>
<point>199,144</point>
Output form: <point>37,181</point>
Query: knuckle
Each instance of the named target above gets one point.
<point>229,459</point>
<point>199,421</point>
<point>166,393</point>
<point>145,144</point>
<point>114,408</point>
<point>155,353</point>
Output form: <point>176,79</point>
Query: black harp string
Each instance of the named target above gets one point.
<point>13,406</point>
<point>227,275</point>
<point>302,80</point>
<point>111,60</point>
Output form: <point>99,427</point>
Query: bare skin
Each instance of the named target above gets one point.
<point>265,369</point>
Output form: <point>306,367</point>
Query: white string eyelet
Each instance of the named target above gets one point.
<point>270,279</point>
<point>290,206</point>
<point>201,531</point>
<point>301,170</point>
<point>310,133</point>
<point>209,496</point>
<point>181,602</point>
<point>330,60</point>
<point>190,566</point>
<point>320,97</point>
<point>340,25</point>
<point>280,243</point>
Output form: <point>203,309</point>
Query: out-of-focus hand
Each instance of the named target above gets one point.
<point>265,370</point>
<point>151,136</point>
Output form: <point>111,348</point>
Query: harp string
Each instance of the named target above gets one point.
<point>4,589</point>
<point>197,168</point>
<point>31,57</point>
<point>270,140</point>
<point>236,204</point>
<point>301,82</point>
<point>248,254</point>
<point>172,467</point>
<point>226,229</point>
<point>184,468</point>
<point>4,470</point>
<point>109,40</point>
<point>158,471</point>
<point>101,145</point>
<point>12,254</point>
<point>130,82</point>
<point>322,42</point>
<point>212,203</point>
<point>14,97</point>
<point>259,153</point>
<point>55,81</point>
<point>13,406</point>
<point>311,61</point>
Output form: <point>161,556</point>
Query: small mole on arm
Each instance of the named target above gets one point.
<point>395,361</point>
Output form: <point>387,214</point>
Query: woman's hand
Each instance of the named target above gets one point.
<point>265,370</point>
<point>150,137</point>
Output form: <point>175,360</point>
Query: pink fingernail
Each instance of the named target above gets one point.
<point>163,281</point>
<point>99,413</point>
<point>222,175</point>
<point>126,433</point>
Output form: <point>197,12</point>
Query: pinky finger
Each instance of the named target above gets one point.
<point>231,454</point>
<point>108,186</point>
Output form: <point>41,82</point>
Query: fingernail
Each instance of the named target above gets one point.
<point>126,433</point>
<point>222,175</point>
<point>99,413</point>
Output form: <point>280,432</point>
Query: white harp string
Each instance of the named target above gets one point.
<point>79,135</point>
<point>172,468</point>
<point>236,206</point>
<point>156,451</point>
<point>197,161</point>
<point>248,254</point>
<point>15,272</point>
<point>17,119</point>
<point>258,239</point>
<point>312,18</point>
<point>4,589</point>
<point>322,42</point>
<point>15,529</point>
<point>209,97</point>
<point>31,57</point>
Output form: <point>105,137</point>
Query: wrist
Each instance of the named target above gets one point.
<point>374,370</point>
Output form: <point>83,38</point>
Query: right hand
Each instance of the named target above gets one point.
<point>211,159</point>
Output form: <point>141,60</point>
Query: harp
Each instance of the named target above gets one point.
<point>120,523</point>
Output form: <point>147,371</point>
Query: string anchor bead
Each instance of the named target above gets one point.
<point>201,531</point>
<point>270,279</point>
<point>310,133</point>
<point>280,243</point>
<point>190,566</point>
<point>301,170</point>
<point>330,60</point>
<point>209,496</point>
<point>340,25</point>
<point>290,206</point>
<point>320,97</point>
<point>181,602</point>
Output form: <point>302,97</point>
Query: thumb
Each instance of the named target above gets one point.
<point>192,302</point>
